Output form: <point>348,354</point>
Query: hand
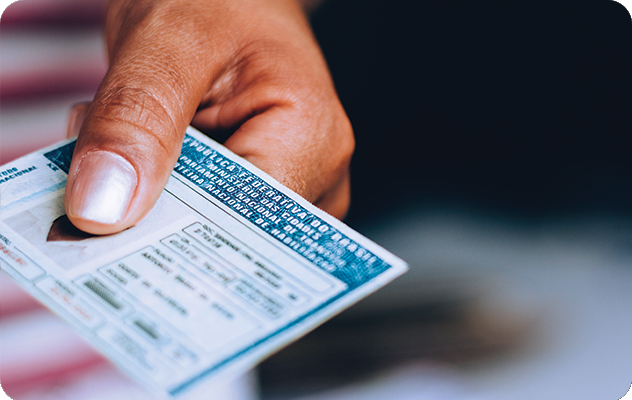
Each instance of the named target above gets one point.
<point>250,67</point>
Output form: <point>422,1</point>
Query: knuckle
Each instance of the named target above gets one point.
<point>344,143</point>
<point>347,141</point>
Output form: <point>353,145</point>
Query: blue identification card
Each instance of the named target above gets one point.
<point>228,267</point>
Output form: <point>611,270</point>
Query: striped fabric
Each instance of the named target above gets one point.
<point>52,55</point>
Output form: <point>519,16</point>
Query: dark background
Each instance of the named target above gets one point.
<point>472,119</point>
<point>522,107</point>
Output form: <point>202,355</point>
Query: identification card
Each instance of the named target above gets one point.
<point>228,267</point>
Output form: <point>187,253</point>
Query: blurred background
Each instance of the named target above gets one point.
<point>492,155</point>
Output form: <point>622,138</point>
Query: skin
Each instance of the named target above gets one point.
<point>249,67</point>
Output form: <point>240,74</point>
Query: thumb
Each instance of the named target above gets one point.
<point>130,139</point>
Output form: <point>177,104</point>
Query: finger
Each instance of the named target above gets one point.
<point>305,146</point>
<point>131,136</point>
<point>76,118</point>
<point>289,122</point>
